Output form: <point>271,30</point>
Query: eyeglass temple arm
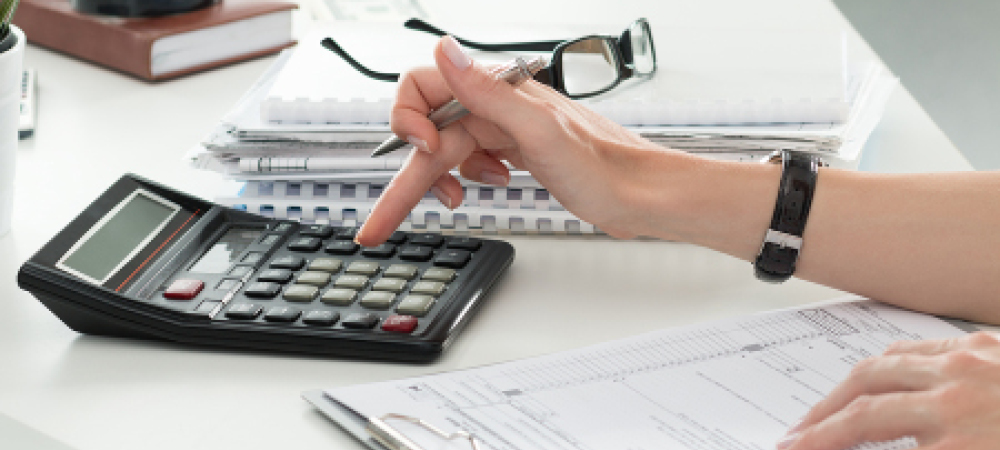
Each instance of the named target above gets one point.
<point>332,46</point>
<point>533,46</point>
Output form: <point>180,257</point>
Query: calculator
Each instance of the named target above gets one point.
<point>146,261</point>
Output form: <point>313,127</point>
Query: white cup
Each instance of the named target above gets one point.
<point>10,110</point>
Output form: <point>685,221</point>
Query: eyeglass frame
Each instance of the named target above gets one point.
<point>550,75</point>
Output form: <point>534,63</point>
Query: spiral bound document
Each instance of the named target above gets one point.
<point>727,385</point>
<point>520,208</point>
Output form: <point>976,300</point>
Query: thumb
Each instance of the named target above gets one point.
<point>478,89</point>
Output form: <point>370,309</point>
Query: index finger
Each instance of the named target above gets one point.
<point>420,171</point>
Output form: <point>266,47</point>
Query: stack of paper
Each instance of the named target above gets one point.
<point>302,134</point>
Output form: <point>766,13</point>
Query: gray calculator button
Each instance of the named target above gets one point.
<point>434,288</point>
<point>330,265</point>
<point>313,278</point>
<point>368,268</point>
<point>339,296</point>
<point>282,314</point>
<point>404,271</point>
<point>360,321</point>
<point>389,284</point>
<point>300,293</point>
<point>415,305</point>
<point>439,274</point>
<point>288,262</point>
<point>350,281</point>
<point>244,311</point>
<point>378,300</point>
<point>239,272</point>
<point>320,318</point>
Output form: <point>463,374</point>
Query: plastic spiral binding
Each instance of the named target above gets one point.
<point>485,210</point>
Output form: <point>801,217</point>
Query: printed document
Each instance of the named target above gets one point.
<point>738,384</point>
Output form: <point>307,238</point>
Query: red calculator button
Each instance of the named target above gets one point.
<point>400,324</point>
<point>184,289</point>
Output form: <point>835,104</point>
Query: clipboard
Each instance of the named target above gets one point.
<point>378,433</point>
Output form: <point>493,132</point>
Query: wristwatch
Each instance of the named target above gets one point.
<point>782,243</point>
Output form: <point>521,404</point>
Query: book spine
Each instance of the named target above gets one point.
<point>98,40</point>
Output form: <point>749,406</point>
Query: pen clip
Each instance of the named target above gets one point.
<point>390,437</point>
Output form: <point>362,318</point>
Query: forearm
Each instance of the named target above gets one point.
<point>929,242</point>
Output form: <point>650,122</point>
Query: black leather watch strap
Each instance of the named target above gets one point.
<point>783,241</point>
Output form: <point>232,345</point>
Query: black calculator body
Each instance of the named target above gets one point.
<point>146,261</point>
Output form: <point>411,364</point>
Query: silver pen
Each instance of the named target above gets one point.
<point>514,72</point>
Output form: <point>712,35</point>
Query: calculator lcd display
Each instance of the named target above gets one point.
<point>122,233</point>
<point>225,251</point>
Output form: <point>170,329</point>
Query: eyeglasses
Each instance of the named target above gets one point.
<point>579,68</point>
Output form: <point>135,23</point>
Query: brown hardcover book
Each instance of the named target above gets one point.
<point>161,47</point>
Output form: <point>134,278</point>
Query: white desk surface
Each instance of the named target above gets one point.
<point>99,393</point>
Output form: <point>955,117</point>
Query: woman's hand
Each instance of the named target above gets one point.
<point>944,393</point>
<point>588,163</point>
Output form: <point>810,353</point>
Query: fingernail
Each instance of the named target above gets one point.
<point>787,441</point>
<point>795,428</point>
<point>454,53</point>
<point>493,178</point>
<point>420,144</point>
<point>444,199</point>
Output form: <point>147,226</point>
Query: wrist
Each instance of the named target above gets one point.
<point>722,205</point>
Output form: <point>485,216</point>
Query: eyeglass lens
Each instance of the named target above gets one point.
<point>643,59</point>
<point>588,66</point>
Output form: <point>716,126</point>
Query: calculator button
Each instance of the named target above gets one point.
<point>304,244</point>
<point>350,281</point>
<point>415,305</point>
<point>456,259</point>
<point>415,253</point>
<point>313,278</point>
<point>283,227</point>
<point>360,321</point>
<point>339,296</point>
<point>244,311</point>
<point>300,293</point>
<point>381,251</point>
<point>321,318</point>
<point>404,271</point>
<point>329,265</point>
<point>368,268</point>
<point>206,307</point>
<point>439,274</point>
<point>341,248</point>
<point>262,289</point>
<point>347,234</point>
<point>320,231</point>
<point>184,289</point>
<point>434,288</point>
<point>427,239</point>
<point>465,243</point>
<point>282,314</point>
<point>389,284</point>
<point>400,324</point>
<point>288,262</point>
<point>275,275</point>
<point>270,239</point>
<point>226,285</point>
<point>252,258</point>
<point>239,272</point>
<point>378,300</point>
<point>397,237</point>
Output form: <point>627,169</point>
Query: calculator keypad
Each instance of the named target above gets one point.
<point>317,276</point>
